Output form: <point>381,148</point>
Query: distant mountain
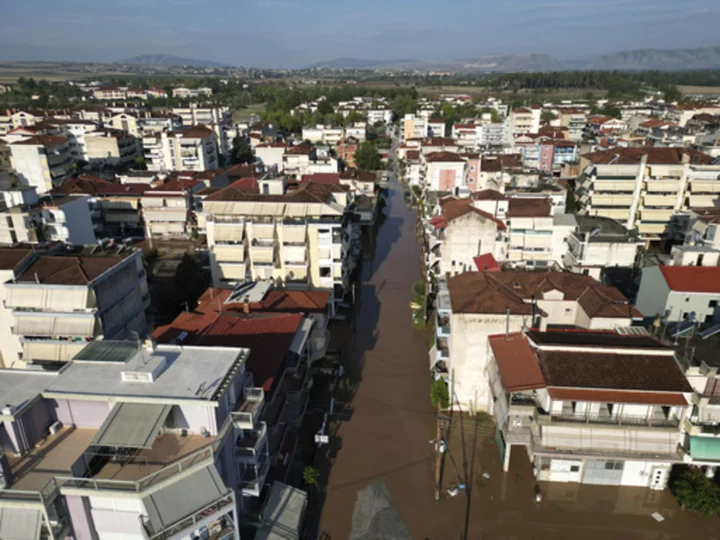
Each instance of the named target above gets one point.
<point>659,59</point>
<point>347,62</point>
<point>169,60</point>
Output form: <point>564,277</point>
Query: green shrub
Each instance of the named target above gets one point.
<point>696,492</point>
<point>439,392</point>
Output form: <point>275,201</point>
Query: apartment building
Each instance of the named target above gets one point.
<point>298,236</point>
<point>322,134</point>
<point>185,93</point>
<point>218,118</point>
<point>443,171</point>
<point>680,293</point>
<point>60,302</point>
<point>304,159</point>
<point>114,208</point>
<point>191,149</point>
<point>75,131</point>
<point>474,305</point>
<point>126,121</point>
<point>697,229</point>
<point>523,120</point>
<point>458,234</point>
<point>600,408</point>
<point>111,147</point>
<point>51,218</point>
<point>109,93</point>
<point>168,209</point>
<point>13,261</point>
<point>491,135</point>
<point>643,187</point>
<point>157,122</point>
<point>598,243</point>
<point>271,155</point>
<point>574,120</point>
<point>147,442</point>
<point>41,161</point>
<point>413,127</point>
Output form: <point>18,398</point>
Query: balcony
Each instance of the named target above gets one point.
<point>253,479</point>
<point>443,349</point>
<point>229,252</point>
<point>263,231</point>
<point>249,410</point>
<point>653,421</point>
<point>249,443</point>
<point>659,200</point>
<point>443,326</point>
<point>189,525</point>
<point>295,255</point>
<point>262,254</point>
<point>294,234</point>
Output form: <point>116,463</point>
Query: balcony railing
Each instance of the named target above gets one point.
<point>224,504</point>
<point>249,409</point>
<point>649,421</point>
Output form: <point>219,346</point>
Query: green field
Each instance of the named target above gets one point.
<point>709,90</point>
<point>241,115</point>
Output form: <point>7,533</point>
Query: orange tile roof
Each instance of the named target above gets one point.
<point>617,396</point>
<point>516,361</point>
<point>700,279</point>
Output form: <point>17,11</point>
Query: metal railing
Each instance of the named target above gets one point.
<point>191,521</point>
<point>649,421</point>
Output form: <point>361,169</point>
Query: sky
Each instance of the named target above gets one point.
<point>295,33</point>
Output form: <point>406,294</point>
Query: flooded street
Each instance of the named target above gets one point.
<point>384,422</point>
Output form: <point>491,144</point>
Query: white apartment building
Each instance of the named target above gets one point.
<point>588,407</point>
<point>185,93</point>
<point>13,261</point>
<point>75,131</point>
<point>137,442</point>
<point>474,305</point>
<point>271,154</point>
<point>167,208</point>
<point>111,147</point>
<point>643,187</point>
<point>598,243</point>
<point>489,135</point>
<point>322,134</point>
<point>298,237</point>
<point>56,218</point>
<point>41,161</point>
<point>191,149</point>
<point>60,302</point>
<point>216,117</point>
<point>444,171</point>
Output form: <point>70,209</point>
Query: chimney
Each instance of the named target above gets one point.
<point>246,305</point>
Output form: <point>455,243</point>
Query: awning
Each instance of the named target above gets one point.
<point>705,448</point>
<point>20,524</point>
<point>301,335</point>
<point>132,425</point>
<point>284,513</point>
<point>185,497</point>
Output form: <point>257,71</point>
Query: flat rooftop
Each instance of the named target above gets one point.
<point>193,373</point>
<point>19,387</point>
<point>608,229</point>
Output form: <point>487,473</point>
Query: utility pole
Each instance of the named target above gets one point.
<point>438,454</point>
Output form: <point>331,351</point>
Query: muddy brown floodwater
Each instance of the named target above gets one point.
<point>385,422</point>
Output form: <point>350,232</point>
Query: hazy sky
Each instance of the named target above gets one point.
<point>293,33</point>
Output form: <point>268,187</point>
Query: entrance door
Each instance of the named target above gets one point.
<point>658,478</point>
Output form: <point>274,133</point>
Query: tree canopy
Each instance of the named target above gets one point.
<point>367,156</point>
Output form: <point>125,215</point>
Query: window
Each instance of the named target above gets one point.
<point>687,298</point>
<point>712,304</point>
<point>568,311</point>
<point>325,271</point>
<point>574,468</point>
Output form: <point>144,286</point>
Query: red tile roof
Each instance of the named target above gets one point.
<point>274,301</point>
<point>53,270</point>
<point>516,361</point>
<point>443,157</point>
<point>529,207</point>
<point>43,140</point>
<point>306,192</point>
<point>241,171</point>
<point>452,208</point>
<point>322,178</point>
<point>656,156</point>
<point>486,263</point>
<point>268,336</point>
<point>12,257</point>
<point>700,279</point>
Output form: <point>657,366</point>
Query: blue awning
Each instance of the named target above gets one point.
<point>707,448</point>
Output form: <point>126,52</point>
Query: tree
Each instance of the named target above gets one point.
<point>439,392</point>
<point>548,116</point>
<point>140,164</point>
<point>311,475</point>
<point>570,202</point>
<point>672,94</point>
<point>241,151</point>
<point>696,492</point>
<point>404,104</point>
<point>325,107</point>
<point>367,156</point>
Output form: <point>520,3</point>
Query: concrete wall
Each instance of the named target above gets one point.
<point>681,304</point>
<point>462,238</point>
<point>78,222</point>
<point>81,517</point>
<point>652,297</point>
<point>31,167</point>
<point>9,343</point>
<point>469,356</point>
<point>82,414</point>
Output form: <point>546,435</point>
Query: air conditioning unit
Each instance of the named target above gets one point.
<point>55,427</point>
